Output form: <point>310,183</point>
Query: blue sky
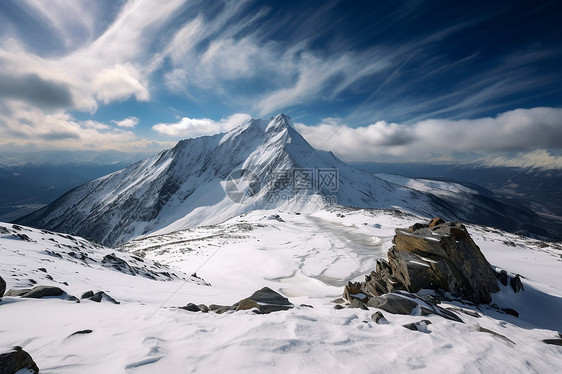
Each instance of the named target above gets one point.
<point>370,80</point>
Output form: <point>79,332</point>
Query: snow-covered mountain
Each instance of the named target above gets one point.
<point>259,165</point>
<point>308,258</point>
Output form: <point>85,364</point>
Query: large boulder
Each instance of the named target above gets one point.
<point>440,255</point>
<point>16,360</point>
<point>39,292</point>
<point>264,301</point>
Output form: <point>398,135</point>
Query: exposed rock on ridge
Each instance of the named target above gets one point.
<point>438,255</point>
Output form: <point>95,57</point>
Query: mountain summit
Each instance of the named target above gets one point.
<point>262,164</point>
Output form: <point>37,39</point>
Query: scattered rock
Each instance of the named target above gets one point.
<point>24,237</point>
<point>306,306</point>
<point>191,307</point>
<point>553,341</point>
<point>247,304</point>
<point>270,301</point>
<point>4,230</point>
<point>37,292</point>
<point>379,318</point>
<point>516,283</point>
<point>436,222</point>
<point>355,303</point>
<point>19,292</point>
<point>483,329</point>
<point>81,332</point>
<point>263,301</point>
<point>502,277</point>
<point>42,269</point>
<point>87,294</point>
<point>100,296</point>
<point>44,291</point>
<point>338,307</point>
<point>118,264</point>
<point>418,326</point>
<point>339,300</point>
<point>219,309</point>
<point>443,257</point>
<point>465,311</point>
<point>510,311</point>
<point>16,360</point>
<point>392,303</point>
<point>2,287</point>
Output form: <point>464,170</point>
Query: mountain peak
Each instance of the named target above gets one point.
<point>279,122</point>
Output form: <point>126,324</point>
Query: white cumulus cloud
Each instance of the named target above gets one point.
<point>129,122</point>
<point>194,127</point>
<point>519,130</point>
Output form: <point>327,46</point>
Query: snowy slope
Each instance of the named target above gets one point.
<point>306,257</point>
<point>185,187</point>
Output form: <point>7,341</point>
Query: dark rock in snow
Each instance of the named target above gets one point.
<point>516,283</point>
<point>16,361</point>
<point>418,326</point>
<point>267,296</point>
<point>44,291</point>
<point>19,292</point>
<point>219,309</point>
<point>393,303</point>
<point>118,264</point>
<point>81,332</point>
<point>2,287</point>
<point>355,303</point>
<point>378,318</point>
<point>502,277</point>
<point>204,308</point>
<point>87,294</point>
<point>38,292</point>
<point>247,304</point>
<point>264,301</point>
<point>191,307</point>
<point>553,341</point>
<point>510,311</point>
<point>503,337</point>
<point>100,296</point>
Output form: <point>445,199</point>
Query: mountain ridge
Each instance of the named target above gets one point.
<point>187,186</point>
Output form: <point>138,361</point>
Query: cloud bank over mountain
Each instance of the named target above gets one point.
<point>187,68</point>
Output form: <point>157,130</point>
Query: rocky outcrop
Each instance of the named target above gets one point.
<point>263,301</point>
<point>15,360</point>
<point>39,292</point>
<point>439,256</point>
<point>98,297</point>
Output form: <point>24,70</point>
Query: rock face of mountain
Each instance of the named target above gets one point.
<point>259,165</point>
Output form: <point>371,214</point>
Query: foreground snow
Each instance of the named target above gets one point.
<point>306,257</point>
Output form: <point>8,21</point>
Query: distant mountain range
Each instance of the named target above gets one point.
<point>263,164</point>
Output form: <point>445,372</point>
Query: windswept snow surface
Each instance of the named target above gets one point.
<point>308,258</point>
